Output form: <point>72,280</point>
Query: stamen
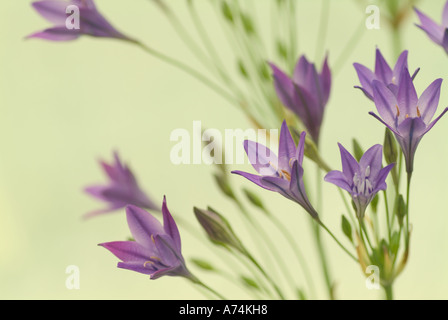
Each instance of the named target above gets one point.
<point>287,175</point>
<point>152,239</point>
<point>418,112</point>
<point>148,262</point>
<point>356,179</point>
<point>155,258</point>
<point>407,116</point>
<point>394,79</point>
<point>398,111</point>
<point>272,165</point>
<point>367,173</point>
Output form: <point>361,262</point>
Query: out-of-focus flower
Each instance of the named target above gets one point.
<point>282,174</point>
<point>406,115</point>
<point>383,73</point>
<point>121,190</point>
<point>436,32</point>
<point>306,93</point>
<point>362,180</point>
<point>156,250</point>
<point>91,21</point>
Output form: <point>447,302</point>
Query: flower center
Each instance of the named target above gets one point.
<point>407,115</point>
<point>362,184</point>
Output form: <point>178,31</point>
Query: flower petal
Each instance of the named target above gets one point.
<point>429,100</point>
<point>143,226</point>
<point>372,158</point>
<point>382,70</point>
<point>128,251</point>
<point>349,164</point>
<point>263,159</point>
<point>170,226</point>
<point>366,77</point>
<point>287,148</point>
<point>432,29</point>
<point>385,102</point>
<point>339,179</point>
<point>407,96</point>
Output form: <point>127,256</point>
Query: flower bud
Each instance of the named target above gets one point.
<point>390,147</point>
<point>218,229</point>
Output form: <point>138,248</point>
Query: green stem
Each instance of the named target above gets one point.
<point>389,292</point>
<point>337,241</point>
<point>192,72</point>
<point>389,230</point>
<point>203,285</point>
<point>408,191</point>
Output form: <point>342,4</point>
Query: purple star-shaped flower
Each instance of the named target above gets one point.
<point>122,189</point>
<point>383,73</point>
<point>306,93</point>
<point>362,180</point>
<point>91,21</point>
<point>438,33</point>
<point>282,174</point>
<point>406,115</point>
<point>156,250</point>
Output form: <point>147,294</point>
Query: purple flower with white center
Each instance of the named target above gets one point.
<point>282,174</point>
<point>438,33</point>
<point>362,180</point>
<point>405,114</point>
<point>91,21</point>
<point>306,93</point>
<point>121,190</point>
<point>156,250</point>
<point>383,73</point>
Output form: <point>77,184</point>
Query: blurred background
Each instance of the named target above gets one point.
<point>63,106</point>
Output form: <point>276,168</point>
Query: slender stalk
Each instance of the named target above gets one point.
<point>203,285</point>
<point>408,191</point>
<point>192,72</point>
<point>389,292</point>
<point>296,250</point>
<point>323,28</point>
<point>337,241</point>
<point>389,230</point>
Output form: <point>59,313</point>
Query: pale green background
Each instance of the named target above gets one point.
<point>63,106</point>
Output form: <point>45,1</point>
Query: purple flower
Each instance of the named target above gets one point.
<point>121,190</point>
<point>306,93</point>
<point>156,250</point>
<point>362,180</point>
<point>282,174</point>
<point>59,12</point>
<point>406,115</point>
<point>436,32</point>
<point>383,73</point>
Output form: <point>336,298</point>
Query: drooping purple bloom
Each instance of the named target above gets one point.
<point>282,174</point>
<point>156,250</point>
<point>438,33</point>
<point>306,93</point>
<point>383,73</point>
<point>121,190</point>
<point>406,115</point>
<point>362,180</point>
<point>60,14</point>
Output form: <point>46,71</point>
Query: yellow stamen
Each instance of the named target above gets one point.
<point>287,175</point>
<point>148,262</point>
<point>398,111</point>
<point>418,112</point>
<point>155,258</point>
<point>291,161</point>
<point>407,116</point>
<point>152,239</point>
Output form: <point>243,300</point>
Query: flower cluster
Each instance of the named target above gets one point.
<point>301,99</point>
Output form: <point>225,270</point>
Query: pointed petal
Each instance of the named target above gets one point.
<point>432,124</point>
<point>143,226</point>
<point>394,130</point>
<point>56,34</point>
<point>297,189</point>
<point>339,179</point>
<point>253,178</point>
<point>382,70</point>
<point>287,148</point>
<point>380,182</point>
<point>445,15</point>
<point>170,226</point>
<point>366,93</point>
<point>407,96</point>
<point>263,159</point>
<point>349,164</point>
<point>128,250</point>
<point>429,100</point>
<point>372,158</point>
<point>301,71</point>
<point>52,10</point>
<point>385,102</point>
<point>432,29</point>
<point>284,87</point>
<point>278,185</point>
<point>402,63</point>
<point>366,77</point>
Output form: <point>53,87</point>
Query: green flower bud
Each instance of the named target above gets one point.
<point>390,147</point>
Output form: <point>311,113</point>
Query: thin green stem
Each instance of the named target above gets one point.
<point>337,241</point>
<point>203,285</point>
<point>389,292</point>
<point>389,230</point>
<point>408,191</point>
<point>192,72</point>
